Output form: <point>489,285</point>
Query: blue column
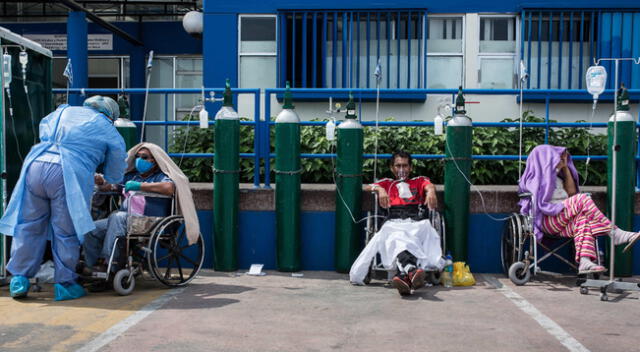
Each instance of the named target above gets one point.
<point>77,51</point>
<point>219,52</point>
<point>137,66</point>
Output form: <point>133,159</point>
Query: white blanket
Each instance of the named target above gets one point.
<point>396,236</point>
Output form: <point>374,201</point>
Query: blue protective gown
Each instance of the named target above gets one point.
<point>56,184</point>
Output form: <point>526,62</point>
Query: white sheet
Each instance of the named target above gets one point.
<point>395,236</point>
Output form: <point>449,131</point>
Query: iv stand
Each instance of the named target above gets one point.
<point>612,285</point>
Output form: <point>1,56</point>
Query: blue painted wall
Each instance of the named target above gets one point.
<point>451,6</point>
<point>257,241</point>
<point>164,38</point>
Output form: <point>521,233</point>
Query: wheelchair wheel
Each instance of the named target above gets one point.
<point>173,261</point>
<point>519,273</point>
<point>509,243</point>
<point>121,283</point>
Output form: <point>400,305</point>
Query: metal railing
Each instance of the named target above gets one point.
<point>166,122</point>
<point>262,124</point>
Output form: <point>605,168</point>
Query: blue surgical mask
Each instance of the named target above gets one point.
<point>143,165</point>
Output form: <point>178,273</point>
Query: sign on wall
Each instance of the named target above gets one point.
<point>59,41</point>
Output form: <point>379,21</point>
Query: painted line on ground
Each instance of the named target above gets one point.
<point>545,322</point>
<point>118,329</point>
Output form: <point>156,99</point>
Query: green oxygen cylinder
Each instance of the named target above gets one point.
<point>456,173</point>
<point>288,171</point>
<point>226,184</point>
<point>625,176</point>
<point>125,127</point>
<point>348,189</point>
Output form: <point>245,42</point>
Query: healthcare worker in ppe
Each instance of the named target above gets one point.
<point>51,199</point>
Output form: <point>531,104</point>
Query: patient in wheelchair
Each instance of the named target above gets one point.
<point>558,208</point>
<point>404,242</point>
<point>142,175</point>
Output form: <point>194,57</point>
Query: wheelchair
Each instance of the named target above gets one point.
<point>520,252</point>
<point>376,219</point>
<point>154,243</point>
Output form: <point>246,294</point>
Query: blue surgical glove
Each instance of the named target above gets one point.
<point>132,186</point>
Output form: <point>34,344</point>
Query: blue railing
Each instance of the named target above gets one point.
<point>262,124</point>
<point>165,92</point>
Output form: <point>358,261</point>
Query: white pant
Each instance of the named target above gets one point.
<point>395,236</point>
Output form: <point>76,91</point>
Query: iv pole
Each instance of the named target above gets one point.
<point>612,285</point>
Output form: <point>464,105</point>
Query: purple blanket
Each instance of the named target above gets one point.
<point>539,178</point>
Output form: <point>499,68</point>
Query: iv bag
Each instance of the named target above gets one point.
<point>596,79</point>
<point>6,69</point>
<point>330,132</point>
<point>24,59</point>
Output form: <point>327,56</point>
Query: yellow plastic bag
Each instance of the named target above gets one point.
<point>462,275</point>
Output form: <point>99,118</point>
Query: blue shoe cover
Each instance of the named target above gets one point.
<point>19,286</point>
<point>68,291</point>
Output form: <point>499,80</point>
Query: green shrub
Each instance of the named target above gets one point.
<point>415,140</point>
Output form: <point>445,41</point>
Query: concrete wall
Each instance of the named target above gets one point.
<point>257,225</point>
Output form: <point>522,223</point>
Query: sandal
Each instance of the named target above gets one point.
<point>631,243</point>
<point>595,268</point>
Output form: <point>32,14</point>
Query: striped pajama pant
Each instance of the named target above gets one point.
<point>583,221</point>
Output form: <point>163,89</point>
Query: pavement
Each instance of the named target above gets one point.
<point>321,311</point>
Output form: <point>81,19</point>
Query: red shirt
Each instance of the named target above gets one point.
<point>416,186</point>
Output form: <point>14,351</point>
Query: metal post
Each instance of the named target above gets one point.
<point>226,185</point>
<point>348,189</point>
<point>288,171</point>
<point>3,183</point>
<point>456,174</point>
<point>77,51</point>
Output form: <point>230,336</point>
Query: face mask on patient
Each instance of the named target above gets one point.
<point>143,165</point>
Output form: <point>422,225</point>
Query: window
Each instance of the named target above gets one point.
<point>103,72</point>
<point>497,54</point>
<point>171,72</point>
<point>257,54</point>
<point>558,47</point>
<point>341,49</point>
<point>445,52</point>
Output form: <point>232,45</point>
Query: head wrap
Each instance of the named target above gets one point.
<point>105,105</point>
<point>539,178</point>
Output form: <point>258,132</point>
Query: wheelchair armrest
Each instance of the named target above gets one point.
<point>150,194</point>
<point>525,195</point>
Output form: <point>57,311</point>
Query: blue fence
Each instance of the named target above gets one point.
<point>262,124</point>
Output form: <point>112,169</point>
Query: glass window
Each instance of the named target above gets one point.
<point>498,35</point>
<point>444,72</point>
<point>444,52</point>
<point>257,57</point>
<point>444,35</point>
<point>257,71</point>
<point>496,73</point>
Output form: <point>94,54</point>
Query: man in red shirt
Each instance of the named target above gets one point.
<point>401,196</point>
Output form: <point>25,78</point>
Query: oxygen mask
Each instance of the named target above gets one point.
<point>402,174</point>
